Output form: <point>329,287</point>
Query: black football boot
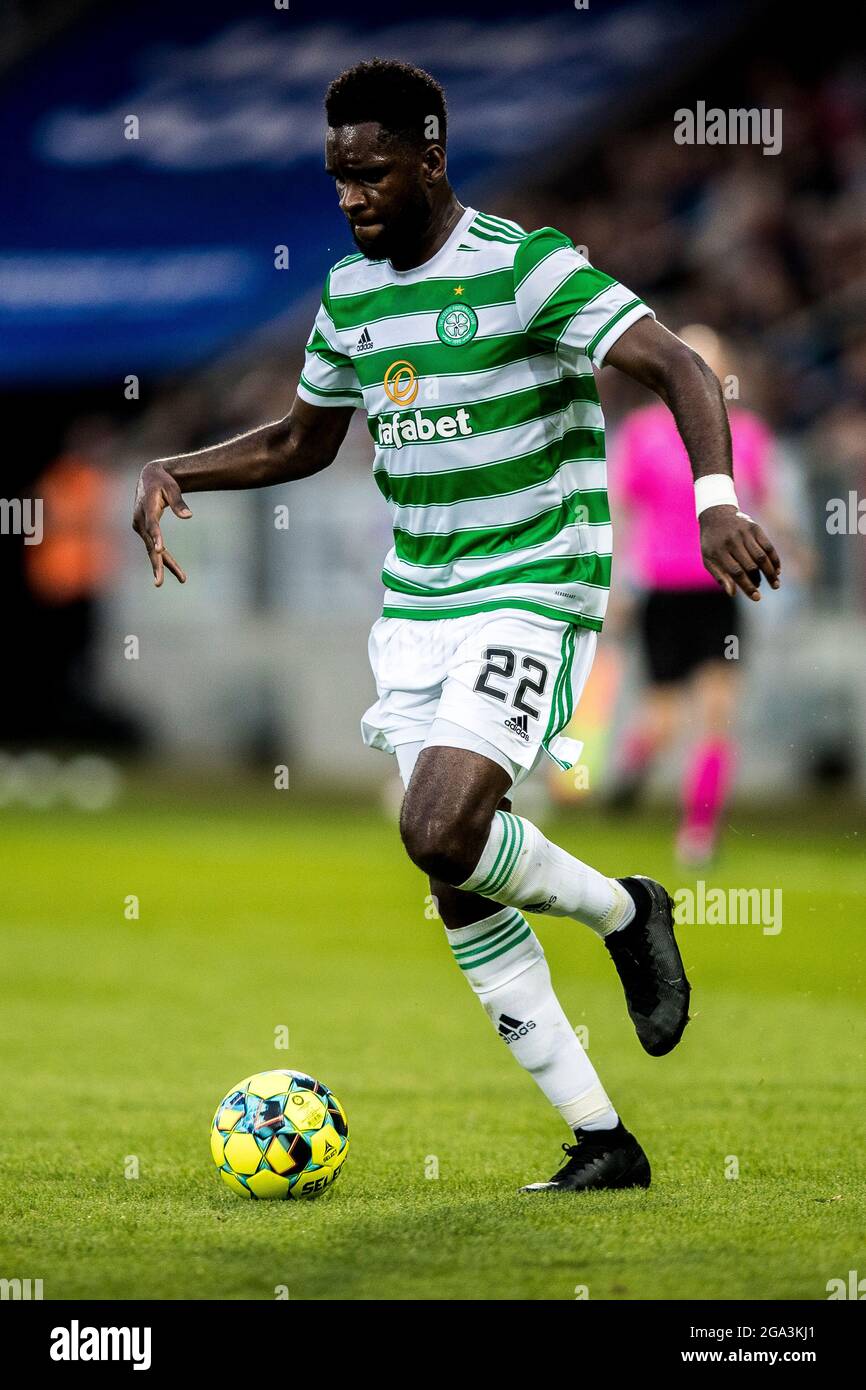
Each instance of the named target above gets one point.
<point>598,1159</point>
<point>651,969</point>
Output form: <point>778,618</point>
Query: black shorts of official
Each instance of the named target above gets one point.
<point>683,629</point>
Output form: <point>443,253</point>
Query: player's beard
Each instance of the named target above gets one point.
<point>401,233</point>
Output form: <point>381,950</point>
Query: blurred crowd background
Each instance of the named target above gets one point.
<point>262,656</point>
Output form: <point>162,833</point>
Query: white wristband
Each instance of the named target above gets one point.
<point>714,490</point>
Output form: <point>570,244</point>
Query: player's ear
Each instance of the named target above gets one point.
<point>434,163</point>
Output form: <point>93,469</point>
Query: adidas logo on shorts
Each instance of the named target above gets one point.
<point>510,1029</point>
<point>519,725</point>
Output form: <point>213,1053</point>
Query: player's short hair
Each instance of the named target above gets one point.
<point>406,101</point>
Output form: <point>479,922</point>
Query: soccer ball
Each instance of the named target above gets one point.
<point>279,1134</point>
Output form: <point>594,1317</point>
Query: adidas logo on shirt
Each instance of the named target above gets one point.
<point>510,1029</point>
<point>365,342</point>
<point>519,725</point>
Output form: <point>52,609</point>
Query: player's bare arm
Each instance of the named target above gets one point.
<point>735,549</point>
<point>300,444</point>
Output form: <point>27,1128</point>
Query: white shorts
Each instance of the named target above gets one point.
<point>504,684</point>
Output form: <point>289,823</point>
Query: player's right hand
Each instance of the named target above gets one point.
<point>737,552</point>
<point>156,490</point>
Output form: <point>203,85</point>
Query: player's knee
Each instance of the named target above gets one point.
<point>444,844</point>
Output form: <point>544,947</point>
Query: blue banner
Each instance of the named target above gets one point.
<point>157,155</point>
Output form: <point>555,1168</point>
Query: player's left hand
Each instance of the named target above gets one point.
<point>737,552</point>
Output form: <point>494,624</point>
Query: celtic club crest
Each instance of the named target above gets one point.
<point>457,324</point>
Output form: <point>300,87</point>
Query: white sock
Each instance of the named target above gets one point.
<point>518,866</point>
<point>502,959</point>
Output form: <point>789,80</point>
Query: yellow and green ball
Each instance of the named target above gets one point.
<point>279,1134</point>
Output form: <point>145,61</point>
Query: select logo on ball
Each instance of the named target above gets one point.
<point>279,1134</point>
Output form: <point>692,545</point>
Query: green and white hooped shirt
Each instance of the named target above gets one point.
<point>475,370</point>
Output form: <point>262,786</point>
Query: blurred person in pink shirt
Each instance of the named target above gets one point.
<point>686,620</point>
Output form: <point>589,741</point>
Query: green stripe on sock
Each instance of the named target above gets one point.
<point>513,856</point>
<point>491,931</point>
<point>488,938</point>
<point>514,941</point>
<point>506,850</point>
<point>507,836</point>
<point>502,940</point>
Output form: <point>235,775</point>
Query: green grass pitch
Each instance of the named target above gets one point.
<point>120,1037</point>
